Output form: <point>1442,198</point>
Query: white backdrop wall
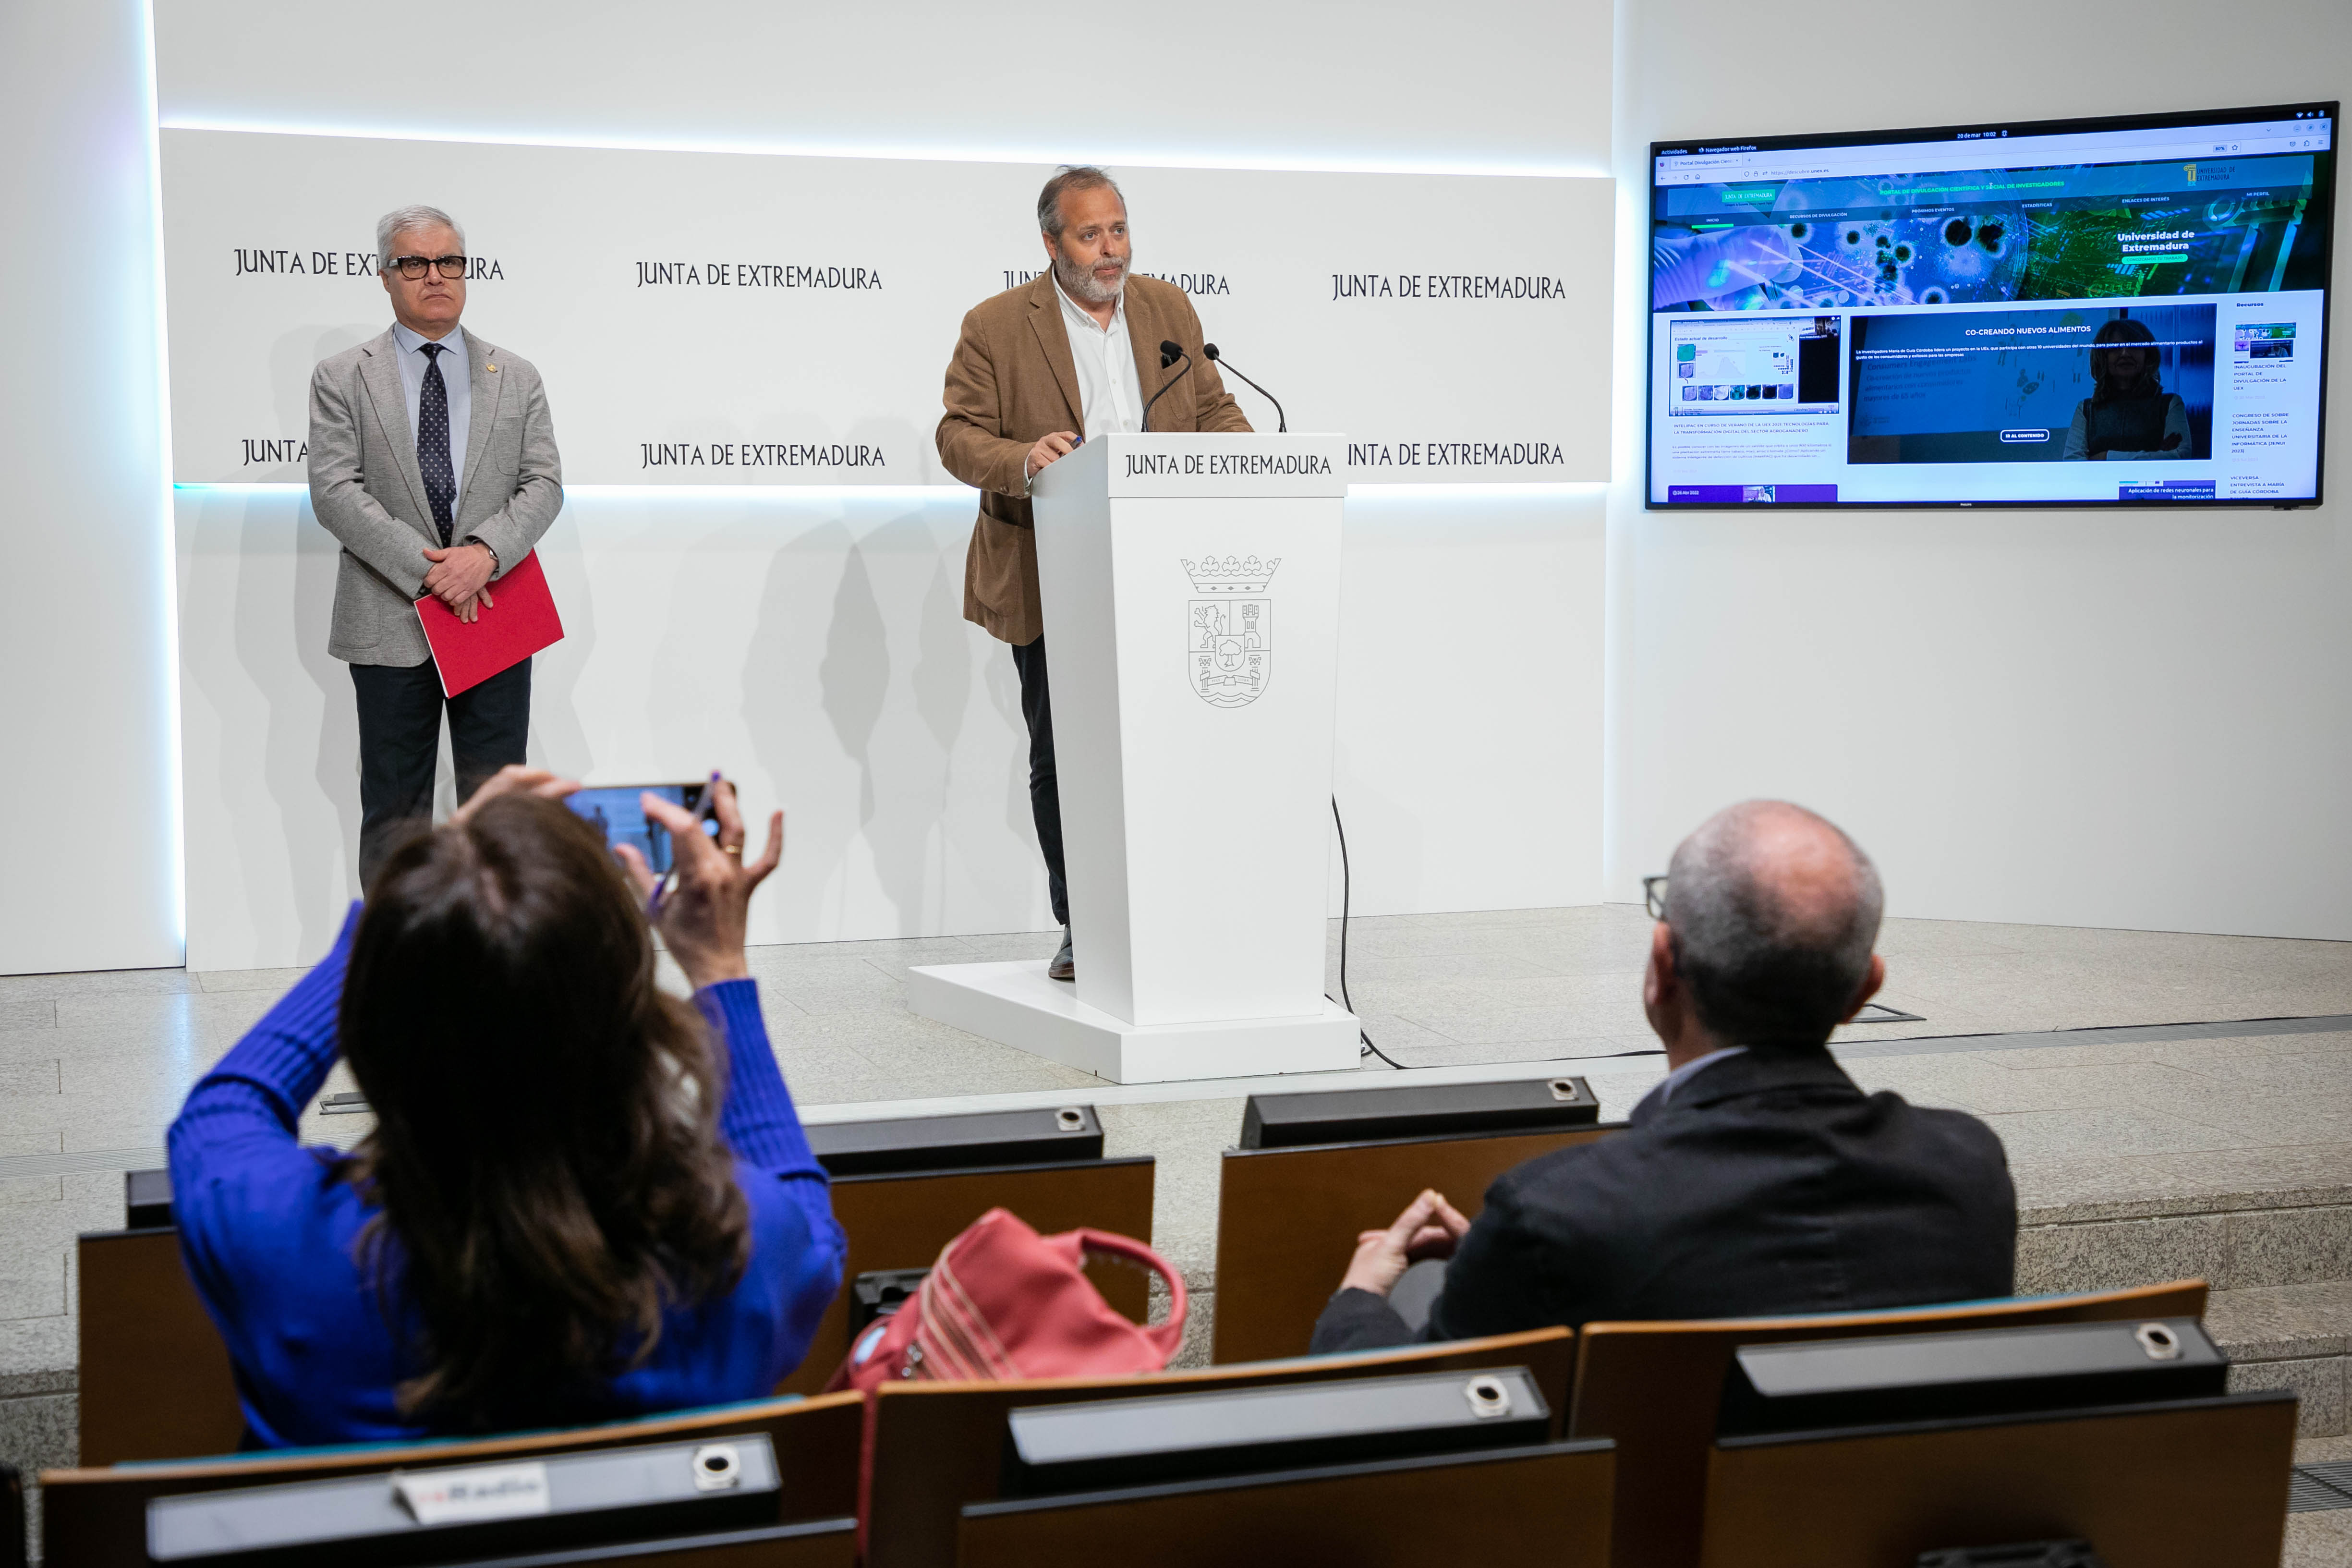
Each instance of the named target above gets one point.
<point>2079,719</point>
<point>1455,327</point>
<point>2028,716</point>
<point>1519,86</point>
<point>89,773</point>
<point>836,674</point>
<point>814,648</point>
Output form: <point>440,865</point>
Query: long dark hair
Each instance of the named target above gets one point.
<point>546,1153</point>
<point>2123,332</point>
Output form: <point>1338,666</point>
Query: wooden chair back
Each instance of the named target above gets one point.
<point>821,1544</point>
<point>938,1446</point>
<point>97,1518</point>
<point>2199,1483</point>
<point>1288,1221</point>
<point>903,1221</point>
<point>1655,1388</point>
<point>155,1380</point>
<point>1517,1508</point>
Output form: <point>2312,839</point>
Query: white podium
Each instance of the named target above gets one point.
<point>1192,603</point>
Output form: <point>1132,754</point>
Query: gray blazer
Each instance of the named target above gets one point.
<point>367,491</point>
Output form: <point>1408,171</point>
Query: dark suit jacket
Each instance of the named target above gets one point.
<point>1012,381</point>
<point>1771,1183</point>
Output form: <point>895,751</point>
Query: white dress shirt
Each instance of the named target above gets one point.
<point>1110,396</point>
<point>456,374</point>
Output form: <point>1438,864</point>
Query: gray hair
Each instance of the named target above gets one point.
<point>1070,177</point>
<point>399,220</point>
<point>1772,942</point>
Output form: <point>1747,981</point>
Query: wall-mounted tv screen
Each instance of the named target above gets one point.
<point>2078,312</point>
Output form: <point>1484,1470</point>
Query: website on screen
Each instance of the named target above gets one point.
<point>2114,311</point>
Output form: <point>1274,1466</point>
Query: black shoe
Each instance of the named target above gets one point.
<point>1064,966</point>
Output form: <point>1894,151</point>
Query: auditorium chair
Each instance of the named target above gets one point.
<point>1287,1217</point>
<point>155,1379</point>
<point>1959,1452</point>
<point>96,1517</point>
<point>1655,1388</point>
<point>819,1543</point>
<point>902,1220</point>
<point>1517,1508</point>
<point>938,1447</point>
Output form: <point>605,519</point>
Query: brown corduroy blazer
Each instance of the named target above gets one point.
<point>1011,382</point>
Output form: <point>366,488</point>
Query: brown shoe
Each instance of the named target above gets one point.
<point>1064,966</point>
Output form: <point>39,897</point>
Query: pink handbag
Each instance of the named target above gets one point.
<point>1003,1303</point>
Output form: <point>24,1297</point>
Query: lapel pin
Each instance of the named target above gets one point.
<point>491,365</point>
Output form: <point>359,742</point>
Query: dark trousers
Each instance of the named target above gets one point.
<point>400,744</point>
<point>1045,789</point>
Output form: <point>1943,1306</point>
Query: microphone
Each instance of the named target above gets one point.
<point>1170,353</point>
<point>1281,421</point>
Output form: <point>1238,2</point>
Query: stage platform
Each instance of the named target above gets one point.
<point>1013,1003</point>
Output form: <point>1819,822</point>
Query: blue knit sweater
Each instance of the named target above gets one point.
<point>268,1236</point>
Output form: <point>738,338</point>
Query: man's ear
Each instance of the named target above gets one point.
<point>1660,981</point>
<point>1661,988</point>
<point>1870,985</point>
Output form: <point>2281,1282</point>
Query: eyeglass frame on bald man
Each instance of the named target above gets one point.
<point>1653,897</point>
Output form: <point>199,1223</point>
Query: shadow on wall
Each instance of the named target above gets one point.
<point>890,865</point>
<point>293,809</point>
<point>815,647</point>
<point>559,725</point>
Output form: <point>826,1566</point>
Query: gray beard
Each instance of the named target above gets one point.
<point>1079,282</point>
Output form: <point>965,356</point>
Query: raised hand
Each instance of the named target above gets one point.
<point>703,919</point>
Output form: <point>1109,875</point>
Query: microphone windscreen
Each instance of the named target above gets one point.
<point>1208,351</point>
<point>1170,353</point>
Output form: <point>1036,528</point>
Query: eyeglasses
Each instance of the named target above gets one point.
<point>1653,897</point>
<point>413,267</point>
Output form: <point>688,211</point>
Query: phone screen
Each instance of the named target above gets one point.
<point>614,810</point>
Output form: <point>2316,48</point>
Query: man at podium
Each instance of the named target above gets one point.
<point>1076,354</point>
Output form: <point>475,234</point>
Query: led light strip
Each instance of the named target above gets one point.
<point>1463,490</point>
<point>174,785</point>
<point>960,152</point>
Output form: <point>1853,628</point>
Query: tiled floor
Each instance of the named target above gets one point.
<point>2097,1132</point>
<point>2319,1539</point>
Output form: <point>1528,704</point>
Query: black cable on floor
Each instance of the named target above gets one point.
<point>1345,893</point>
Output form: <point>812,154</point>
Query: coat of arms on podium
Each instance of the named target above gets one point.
<point>1229,633</point>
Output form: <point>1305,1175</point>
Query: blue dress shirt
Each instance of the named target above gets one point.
<point>1665,1092</point>
<point>456,374</point>
<point>268,1231</point>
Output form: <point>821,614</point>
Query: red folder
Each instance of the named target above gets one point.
<point>520,621</point>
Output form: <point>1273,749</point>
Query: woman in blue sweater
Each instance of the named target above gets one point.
<point>583,1200</point>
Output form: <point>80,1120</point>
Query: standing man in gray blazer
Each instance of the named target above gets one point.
<point>433,460</point>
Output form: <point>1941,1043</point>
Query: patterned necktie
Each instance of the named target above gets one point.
<point>433,442</point>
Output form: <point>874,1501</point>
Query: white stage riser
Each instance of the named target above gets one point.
<point>1016,1004</point>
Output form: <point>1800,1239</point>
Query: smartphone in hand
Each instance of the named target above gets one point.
<point>615,812</point>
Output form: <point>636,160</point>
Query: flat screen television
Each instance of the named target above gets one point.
<point>2127,311</point>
